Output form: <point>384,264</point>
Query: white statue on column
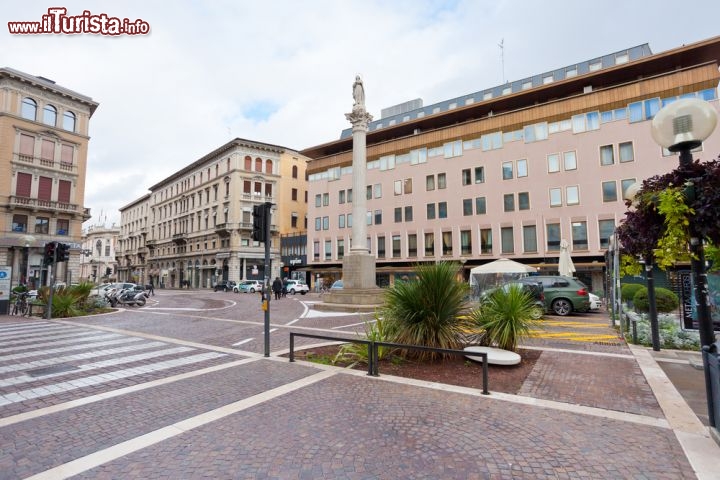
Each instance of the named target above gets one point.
<point>358,94</point>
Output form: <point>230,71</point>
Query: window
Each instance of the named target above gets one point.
<point>340,248</point>
<point>397,187</point>
<point>553,237</point>
<point>606,228</point>
<point>409,213</point>
<point>368,192</point>
<point>418,156</point>
<point>625,184</point>
<point>378,217</point>
<point>626,152</point>
<point>430,244</point>
<point>524,201</point>
<point>412,245</point>
<point>42,225</point>
<point>328,250</point>
<point>430,183</point>
<point>64,187</point>
<point>465,242</point>
<point>50,115</point>
<point>398,214</point>
<point>507,240</point>
<point>341,221</point>
<point>609,191</point>
<point>349,220</point>
<point>349,195</point>
<point>23,184</point>
<point>368,218</point>
<point>447,248</point>
<point>407,185</point>
<point>555,197</point>
<point>293,194</point>
<point>294,171</point>
<point>572,195</point>
<point>529,239</point>
<point>466,176</point>
<point>509,202</point>
<point>63,226</point>
<point>316,250</point>
<point>442,210</point>
<point>377,189</point>
<point>485,240</point>
<point>479,174</point>
<point>553,161</point>
<point>396,246</point>
<point>318,224</point>
<point>522,169</point>
<point>607,155</point>
<point>45,189</point>
<point>381,247</point>
<point>430,211</point>
<point>480,206</point>
<point>507,170</point>
<point>19,223</point>
<point>467,207</point>
<point>579,233</point>
<point>441,181</point>
<point>453,149</point>
<point>326,223</point>
<point>29,109</point>
<point>318,200</point>
<point>569,161</point>
<point>326,199</point>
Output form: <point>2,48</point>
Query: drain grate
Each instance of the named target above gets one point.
<point>39,372</point>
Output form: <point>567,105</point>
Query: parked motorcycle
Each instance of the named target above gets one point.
<point>129,297</point>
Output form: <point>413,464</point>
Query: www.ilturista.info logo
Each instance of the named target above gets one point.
<point>57,21</point>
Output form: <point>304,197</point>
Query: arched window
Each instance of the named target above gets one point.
<point>258,165</point>
<point>29,109</point>
<point>98,247</point>
<point>50,115</point>
<point>69,121</point>
<point>268,167</point>
<point>248,163</point>
<point>294,171</point>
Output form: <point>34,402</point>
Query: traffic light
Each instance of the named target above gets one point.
<point>259,217</point>
<point>49,254</point>
<point>63,252</point>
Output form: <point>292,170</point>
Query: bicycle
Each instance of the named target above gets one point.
<point>20,307</point>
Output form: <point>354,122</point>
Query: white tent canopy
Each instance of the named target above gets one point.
<point>496,273</point>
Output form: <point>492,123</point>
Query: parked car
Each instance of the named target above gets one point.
<point>595,302</point>
<point>103,289</point>
<point>225,285</point>
<point>248,286</point>
<point>563,295</point>
<point>337,285</point>
<point>534,289</point>
<point>296,286</point>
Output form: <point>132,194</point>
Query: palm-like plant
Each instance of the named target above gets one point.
<point>428,310</point>
<point>506,316</point>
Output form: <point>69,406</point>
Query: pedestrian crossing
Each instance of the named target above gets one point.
<point>41,359</point>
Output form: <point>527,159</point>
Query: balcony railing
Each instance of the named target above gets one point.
<point>180,238</point>
<point>225,229</point>
<point>30,160</point>
<point>29,202</point>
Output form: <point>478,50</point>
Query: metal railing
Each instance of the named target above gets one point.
<point>373,355</point>
<point>711,361</point>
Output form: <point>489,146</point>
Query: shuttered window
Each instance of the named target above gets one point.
<point>66,154</point>
<point>48,150</point>
<point>27,145</point>
<point>64,191</point>
<point>45,188</point>
<point>24,184</point>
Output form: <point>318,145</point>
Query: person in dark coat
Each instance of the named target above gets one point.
<point>277,287</point>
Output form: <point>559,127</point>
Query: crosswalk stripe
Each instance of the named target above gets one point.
<point>79,356</point>
<point>70,385</point>
<point>69,348</point>
<point>6,382</point>
<point>36,333</point>
<point>76,333</point>
<point>23,326</point>
<point>60,342</point>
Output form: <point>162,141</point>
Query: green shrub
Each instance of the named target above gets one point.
<point>671,335</point>
<point>427,311</point>
<point>376,331</point>
<point>665,300</point>
<point>628,291</point>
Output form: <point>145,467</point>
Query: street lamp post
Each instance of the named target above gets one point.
<point>680,127</point>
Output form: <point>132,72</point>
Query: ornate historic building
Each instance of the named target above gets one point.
<point>43,161</point>
<point>97,263</point>
<point>193,228</point>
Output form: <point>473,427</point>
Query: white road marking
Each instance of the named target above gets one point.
<point>243,341</point>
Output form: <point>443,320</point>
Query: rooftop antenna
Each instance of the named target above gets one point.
<point>502,57</point>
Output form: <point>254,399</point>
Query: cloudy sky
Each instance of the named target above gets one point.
<point>281,71</point>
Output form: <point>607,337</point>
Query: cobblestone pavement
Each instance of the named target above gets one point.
<point>181,389</point>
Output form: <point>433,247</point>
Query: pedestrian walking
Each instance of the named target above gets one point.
<point>151,287</point>
<point>277,287</point>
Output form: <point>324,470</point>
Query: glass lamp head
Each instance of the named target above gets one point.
<point>684,124</point>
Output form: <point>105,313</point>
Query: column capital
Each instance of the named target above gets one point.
<point>359,118</point>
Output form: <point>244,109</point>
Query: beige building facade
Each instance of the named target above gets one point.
<point>510,171</point>
<point>43,163</point>
<point>194,228</point>
<point>97,260</point>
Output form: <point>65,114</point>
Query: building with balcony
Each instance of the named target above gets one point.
<point>43,163</point>
<point>509,171</point>
<point>97,260</point>
<point>194,227</point>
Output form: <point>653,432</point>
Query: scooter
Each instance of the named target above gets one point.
<point>128,297</point>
